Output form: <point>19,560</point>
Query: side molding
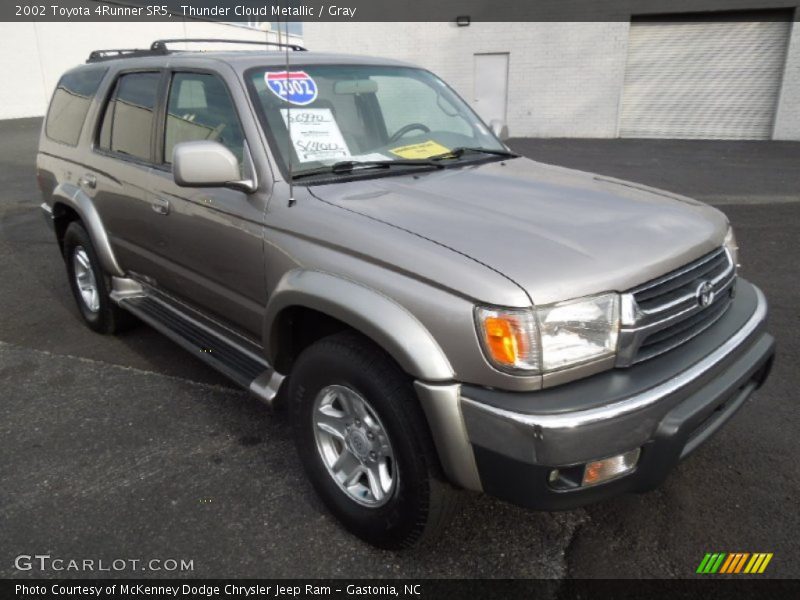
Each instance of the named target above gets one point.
<point>377,316</point>
<point>74,197</point>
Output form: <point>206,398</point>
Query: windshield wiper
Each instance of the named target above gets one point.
<point>462,150</point>
<point>349,166</point>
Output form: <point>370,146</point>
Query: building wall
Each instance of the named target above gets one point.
<point>36,54</point>
<point>787,119</point>
<point>565,79</point>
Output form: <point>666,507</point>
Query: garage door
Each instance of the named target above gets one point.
<point>711,79</point>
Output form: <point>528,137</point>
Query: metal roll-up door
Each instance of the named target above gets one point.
<point>708,79</point>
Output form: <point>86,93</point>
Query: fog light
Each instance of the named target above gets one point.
<point>610,468</point>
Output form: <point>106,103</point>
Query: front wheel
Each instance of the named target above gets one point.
<point>365,445</point>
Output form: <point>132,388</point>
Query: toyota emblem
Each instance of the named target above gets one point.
<point>705,293</point>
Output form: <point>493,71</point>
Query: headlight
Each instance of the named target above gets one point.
<point>551,337</point>
<point>578,331</point>
<point>732,246</point>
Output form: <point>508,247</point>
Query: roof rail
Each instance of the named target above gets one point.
<point>161,45</point>
<point>111,54</point>
<point>159,48</point>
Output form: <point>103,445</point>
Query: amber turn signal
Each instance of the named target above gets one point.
<point>509,338</point>
<point>503,343</point>
<point>610,468</point>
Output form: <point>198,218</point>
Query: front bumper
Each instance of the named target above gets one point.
<point>667,407</point>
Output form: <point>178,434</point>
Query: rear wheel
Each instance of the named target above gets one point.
<point>365,445</point>
<point>90,285</point>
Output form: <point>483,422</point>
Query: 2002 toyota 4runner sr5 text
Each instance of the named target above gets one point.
<point>345,237</point>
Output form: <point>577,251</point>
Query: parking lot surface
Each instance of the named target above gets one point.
<point>128,447</point>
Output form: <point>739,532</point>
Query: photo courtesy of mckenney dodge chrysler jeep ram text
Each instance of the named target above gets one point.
<point>346,238</point>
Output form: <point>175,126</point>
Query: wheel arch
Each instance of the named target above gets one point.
<point>335,303</point>
<point>70,204</point>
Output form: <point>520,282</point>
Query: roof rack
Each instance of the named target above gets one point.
<point>161,45</point>
<point>111,54</point>
<point>159,48</point>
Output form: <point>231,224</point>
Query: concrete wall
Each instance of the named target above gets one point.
<point>36,54</point>
<point>787,119</point>
<point>565,79</point>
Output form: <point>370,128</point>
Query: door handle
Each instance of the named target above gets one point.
<point>161,205</point>
<point>89,180</point>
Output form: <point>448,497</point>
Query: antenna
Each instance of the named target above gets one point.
<point>288,119</point>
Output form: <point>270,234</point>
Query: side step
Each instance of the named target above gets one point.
<point>235,357</point>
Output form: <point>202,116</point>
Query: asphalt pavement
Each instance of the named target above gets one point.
<point>129,448</point>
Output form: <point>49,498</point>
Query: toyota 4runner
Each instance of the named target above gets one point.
<point>343,235</point>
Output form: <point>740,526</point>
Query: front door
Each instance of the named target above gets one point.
<point>491,86</point>
<point>209,240</point>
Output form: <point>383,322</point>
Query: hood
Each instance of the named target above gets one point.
<point>558,233</point>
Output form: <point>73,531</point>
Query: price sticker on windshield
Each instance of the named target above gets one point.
<point>295,87</point>
<point>315,134</point>
<point>419,151</point>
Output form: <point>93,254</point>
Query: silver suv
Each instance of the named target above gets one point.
<point>343,236</point>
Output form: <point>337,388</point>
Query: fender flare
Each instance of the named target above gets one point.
<point>73,196</point>
<point>369,311</point>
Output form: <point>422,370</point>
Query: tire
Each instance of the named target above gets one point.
<point>84,272</point>
<point>417,502</point>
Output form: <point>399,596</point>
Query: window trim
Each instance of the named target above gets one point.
<point>110,94</point>
<point>159,162</point>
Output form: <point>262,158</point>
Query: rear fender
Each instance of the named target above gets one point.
<point>72,196</point>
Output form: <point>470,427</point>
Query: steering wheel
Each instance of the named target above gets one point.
<point>406,128</point>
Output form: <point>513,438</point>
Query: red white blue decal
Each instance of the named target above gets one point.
<point>296,87</point>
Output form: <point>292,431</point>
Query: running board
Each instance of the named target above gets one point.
<point>234,357</point>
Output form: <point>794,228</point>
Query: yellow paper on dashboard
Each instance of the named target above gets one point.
<point>422,150</point>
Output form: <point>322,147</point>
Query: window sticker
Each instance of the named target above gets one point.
<point>295,87</point>
<point>421,150</point>
<point>315,134</point>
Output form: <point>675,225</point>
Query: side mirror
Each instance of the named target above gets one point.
<point>499,129</point>
<point>205,163</point>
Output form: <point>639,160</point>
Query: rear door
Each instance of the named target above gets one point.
<point>121,172</point>
<point>209,240</point>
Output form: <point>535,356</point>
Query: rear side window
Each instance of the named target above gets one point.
<point>200,108</point>
<point>128,121</point>
<point>70,104</point>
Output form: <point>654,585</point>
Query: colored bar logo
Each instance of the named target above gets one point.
<point>734,563</point>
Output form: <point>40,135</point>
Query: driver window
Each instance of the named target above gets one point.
<point>404,101</point>
<point>200,108</point>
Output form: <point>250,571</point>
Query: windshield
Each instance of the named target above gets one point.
<point>363,114</point>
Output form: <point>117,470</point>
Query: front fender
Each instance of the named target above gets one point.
<point>367,310</point>
<point>72,196</point>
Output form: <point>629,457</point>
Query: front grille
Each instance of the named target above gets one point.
<point>668,311</point>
